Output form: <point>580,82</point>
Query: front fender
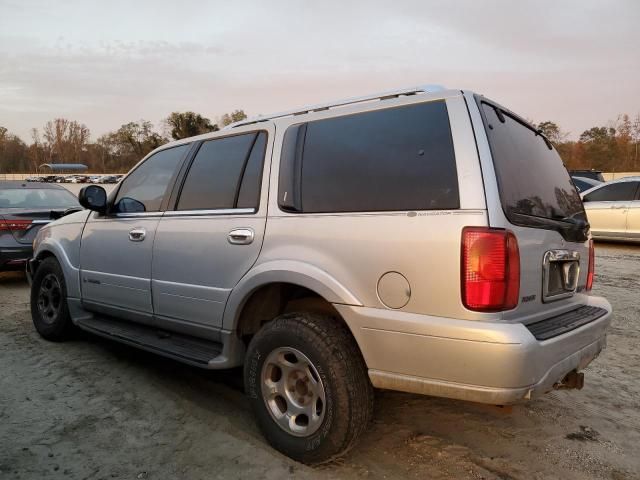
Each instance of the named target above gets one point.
<point>62,240</point>
<point>285,271</point>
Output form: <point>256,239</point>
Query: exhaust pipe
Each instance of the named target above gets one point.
<point>571,380</point>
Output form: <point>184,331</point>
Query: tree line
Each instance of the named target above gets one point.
<point>611,148</point>
<point>67,141</point>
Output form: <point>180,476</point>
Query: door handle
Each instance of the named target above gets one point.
<point>137,234</point>
<point>240,236</point>
<point>617,206</point>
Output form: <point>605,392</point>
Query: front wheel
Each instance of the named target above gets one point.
<point>308,386</point>
<point>49,310</point>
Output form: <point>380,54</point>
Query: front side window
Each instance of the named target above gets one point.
<point>616,192</point>
<point>145,187</point>
<point>226,173</point>
<point>394,159</point>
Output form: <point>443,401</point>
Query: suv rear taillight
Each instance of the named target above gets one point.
<point>14,225</point>
<point>490,274</point>
<point>592,267</point>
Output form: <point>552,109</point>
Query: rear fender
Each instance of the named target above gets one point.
<point>285,271</point>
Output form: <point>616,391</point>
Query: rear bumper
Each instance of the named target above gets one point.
<point>14,258</point>
<point>488,362</point>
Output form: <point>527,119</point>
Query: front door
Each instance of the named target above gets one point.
<point>116,249</point>
<point>214,232</point>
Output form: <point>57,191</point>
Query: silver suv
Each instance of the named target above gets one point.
<point>423,240</point>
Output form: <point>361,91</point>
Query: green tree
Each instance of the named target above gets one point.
<point>13,153</point>
<point>552,131</point>
<point>599,148</point>
<point>188,124</point>
<point>229,118</point>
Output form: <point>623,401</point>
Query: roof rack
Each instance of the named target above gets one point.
<point>339,103</point>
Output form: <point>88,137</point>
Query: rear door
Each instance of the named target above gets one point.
<point>214,232</point>
<point>116,249</point>
<point>608,207</point>
<point>530,193</point>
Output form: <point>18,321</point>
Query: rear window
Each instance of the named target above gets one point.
<point>386,160</point>
<point>532,179</point>
<point>226,173</point>
<point>616,192</point>
<point>37,198</point>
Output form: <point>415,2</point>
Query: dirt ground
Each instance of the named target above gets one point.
<point>91,408</point>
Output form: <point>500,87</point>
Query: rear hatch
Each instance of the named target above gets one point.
<point>540,205</point>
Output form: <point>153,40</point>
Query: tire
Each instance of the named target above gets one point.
<point>328,380</point>
<point>49,309</point>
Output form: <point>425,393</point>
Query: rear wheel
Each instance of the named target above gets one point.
<point>49,310</point>
<point>308,386</point>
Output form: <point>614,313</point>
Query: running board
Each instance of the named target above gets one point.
<point>187,349</point>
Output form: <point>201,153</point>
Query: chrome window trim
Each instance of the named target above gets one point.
<point>220,211</point>
<point>138,214</point>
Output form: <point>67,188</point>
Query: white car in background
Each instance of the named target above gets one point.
<point>613,209</point>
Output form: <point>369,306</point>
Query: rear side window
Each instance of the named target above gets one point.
<point>226,173</point>
<point>616,192</point>
<point>386,160</point>
<point>144,188</point>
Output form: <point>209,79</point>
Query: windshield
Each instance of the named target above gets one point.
<point>534,185</point>
<point>37,198</point>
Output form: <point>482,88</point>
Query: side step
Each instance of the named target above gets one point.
<point>187,349</point>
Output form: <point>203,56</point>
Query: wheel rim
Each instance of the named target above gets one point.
<point>49,298</point>
<point>293,391</point>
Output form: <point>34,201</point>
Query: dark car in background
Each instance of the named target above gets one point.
<point>584,183</point>
<point>24,209</point>
<point>593,174</point>
<point>109,179</point>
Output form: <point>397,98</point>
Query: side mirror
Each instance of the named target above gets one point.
<point>93,198</point>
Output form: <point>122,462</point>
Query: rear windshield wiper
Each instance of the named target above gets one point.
<point>580,224</point>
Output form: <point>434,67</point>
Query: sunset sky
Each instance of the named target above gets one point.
<point>105,63</point>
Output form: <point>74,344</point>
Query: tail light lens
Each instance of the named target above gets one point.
<point>592,267</point>
<point>490,275</point>
<point>14,225</point>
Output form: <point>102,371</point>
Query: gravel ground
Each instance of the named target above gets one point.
<point>91,408</point>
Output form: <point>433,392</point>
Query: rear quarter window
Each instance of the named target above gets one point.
<point>387,160</point>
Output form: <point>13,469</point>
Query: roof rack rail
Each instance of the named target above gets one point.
<point>339,103</point>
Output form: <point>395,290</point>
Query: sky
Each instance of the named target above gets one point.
<point>106,63</point>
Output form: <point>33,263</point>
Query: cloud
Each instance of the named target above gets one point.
<point>106,64</point>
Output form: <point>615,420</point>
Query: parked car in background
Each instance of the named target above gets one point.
<point>77,179</point>
<point>109,179</point>
<point>24,209</point>
<point>613,209</point>
<point>593,174</point>
<point>95,179</point>
<point>422,240</point>
<point>584,183</point>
